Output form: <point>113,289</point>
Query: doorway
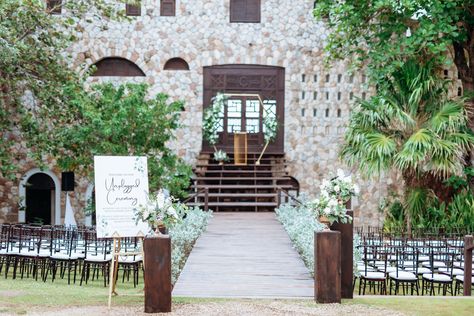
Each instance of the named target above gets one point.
<point>39,199</point>
<point>245,113</point>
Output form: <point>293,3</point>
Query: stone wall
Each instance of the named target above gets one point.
<point>317,98</point>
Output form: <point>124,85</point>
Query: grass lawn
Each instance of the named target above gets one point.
<point>19,296</point>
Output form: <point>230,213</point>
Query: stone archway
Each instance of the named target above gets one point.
<point>40,196</point>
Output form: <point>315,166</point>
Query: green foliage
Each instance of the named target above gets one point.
<point>300,224</point>
<point>34,74</point>
<point>429,213</point>
<point>270,128</point>
<point>382,34</point>
<point>183,237</point>
<point>410,125</point>
<point>212,119</point>
<point>123,121</point>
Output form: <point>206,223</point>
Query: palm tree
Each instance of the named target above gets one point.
<point>411,125</point>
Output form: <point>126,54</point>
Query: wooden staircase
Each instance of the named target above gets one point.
<point>231,187</point>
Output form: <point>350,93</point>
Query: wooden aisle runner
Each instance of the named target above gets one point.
<point>244,255</point>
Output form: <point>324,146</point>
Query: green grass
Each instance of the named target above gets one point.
<point>431,306</point>
<point>19,296</point>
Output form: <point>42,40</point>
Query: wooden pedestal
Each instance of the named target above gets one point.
<point>327,266</point>
<point>347,256</point>
<point>158,274</point>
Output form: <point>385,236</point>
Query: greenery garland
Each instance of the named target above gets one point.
<point>212,118</point>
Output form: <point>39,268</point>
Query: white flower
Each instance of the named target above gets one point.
<point>327,211</point>
<point>160,199</point>
<point>340,173</point>
<point>332,203</point>
<point>337,188</point>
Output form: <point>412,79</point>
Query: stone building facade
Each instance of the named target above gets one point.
<point>318,98</point>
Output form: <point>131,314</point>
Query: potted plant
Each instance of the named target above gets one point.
<point>160,213</point>
<point>330,207</point>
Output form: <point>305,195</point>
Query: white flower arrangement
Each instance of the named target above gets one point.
<point>159,210</point>
<point>335,193</point>
<point>220,155</point>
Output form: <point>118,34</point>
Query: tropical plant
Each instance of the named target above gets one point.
<point>411,126</point>
<point>380,35</point>
<point>270,129</point>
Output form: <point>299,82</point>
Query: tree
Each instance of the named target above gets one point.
<point>411,125</point>
<point>122,120</point>
<point>35,73</point>
<point>382,34</point>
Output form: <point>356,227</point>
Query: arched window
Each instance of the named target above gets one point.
<point>176,64</point>
<point>117,67</point>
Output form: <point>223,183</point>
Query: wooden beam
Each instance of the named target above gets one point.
<point>468,246</point>
<point>158,274</point>
<point>327,266</point>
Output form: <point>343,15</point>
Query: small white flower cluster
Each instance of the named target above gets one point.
<point>159,210</point>
<point>334,194</point>
<point>220,155</point>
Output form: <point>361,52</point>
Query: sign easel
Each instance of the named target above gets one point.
<point>121,186</point>
<point>116,252</point>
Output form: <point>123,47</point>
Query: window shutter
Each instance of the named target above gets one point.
<point>54,6</point>
<point>133,9</point>
<point>168,8</point>
<point>245,11</point>
<point>238,10</point>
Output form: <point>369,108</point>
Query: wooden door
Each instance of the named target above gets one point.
<point>244,113</point>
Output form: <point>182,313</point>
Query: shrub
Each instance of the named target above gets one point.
<point>183,236</point>
<point>300,224</point>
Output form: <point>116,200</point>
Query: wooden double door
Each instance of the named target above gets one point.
<point>243,112</point>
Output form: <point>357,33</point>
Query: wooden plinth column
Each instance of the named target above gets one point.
<point>347,256</point>
<point>158,274</point>
<point>327,266</point>
<point>468,246</point>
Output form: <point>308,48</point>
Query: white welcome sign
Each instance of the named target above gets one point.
<point>121,186</point>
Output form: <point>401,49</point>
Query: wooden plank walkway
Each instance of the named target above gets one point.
<point>244,255</point>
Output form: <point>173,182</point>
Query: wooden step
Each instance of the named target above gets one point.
<point>235,204</point>
<point>241,186</point>
<point>230,194</point>
<point>239,178</point>
<point>241,171</point>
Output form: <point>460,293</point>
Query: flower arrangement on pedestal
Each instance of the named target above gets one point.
<point>159,211</point>
<point>330,207</point>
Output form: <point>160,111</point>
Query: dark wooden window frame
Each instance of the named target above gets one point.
<point>168,7</point>
<point>268,81</point>
<point>176,63</point>
<point>133,9</point>
<point>117,67</point>
<point>54,6</point>
<point>247,17</point>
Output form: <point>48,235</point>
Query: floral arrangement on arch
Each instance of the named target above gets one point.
<point>160,210</point>
<point>335,193</point>
<point>212,119</point>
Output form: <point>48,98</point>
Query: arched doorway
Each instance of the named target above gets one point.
<point>243,113</point>
<point>40,198</point>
